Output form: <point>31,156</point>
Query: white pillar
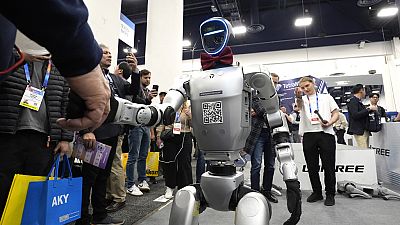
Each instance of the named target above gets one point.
<point>392,72</point>
<point>164,42</point>
<point>104,19</point>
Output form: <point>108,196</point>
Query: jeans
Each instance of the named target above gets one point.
<point>200,165</point>
<point>139,142</point>
<point>263,145</point>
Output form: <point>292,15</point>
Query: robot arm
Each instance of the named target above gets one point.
<point>268,97</point>
<point>269,100</point>
<point>151,115</point>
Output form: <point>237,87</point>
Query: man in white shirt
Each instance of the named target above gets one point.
<point>318,112</point>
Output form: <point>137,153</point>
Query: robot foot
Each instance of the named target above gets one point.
<point>293,201</point>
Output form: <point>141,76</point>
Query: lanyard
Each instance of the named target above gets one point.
<point>309,103</point>
<point>46,77</point>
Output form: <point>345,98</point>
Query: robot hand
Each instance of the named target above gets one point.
<point>123,111</point>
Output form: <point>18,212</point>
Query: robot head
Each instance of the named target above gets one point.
<point>215,34</point>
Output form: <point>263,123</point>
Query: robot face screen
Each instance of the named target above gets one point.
<point>214,35</point>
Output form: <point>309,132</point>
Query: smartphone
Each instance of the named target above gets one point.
<point>155,87</point>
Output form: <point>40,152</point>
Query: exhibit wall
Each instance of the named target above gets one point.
<point>104,19</point>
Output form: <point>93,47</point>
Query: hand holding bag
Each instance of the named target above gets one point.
<point>54,201</point>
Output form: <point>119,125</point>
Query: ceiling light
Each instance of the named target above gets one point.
<point>377,92</point>
<point>342,82</point>
<point>347,93</point>
<point>186,43</point>
<point>337,97</point>
<point>337,88</point>
<point>388,11</point>
<point>239,30</point>
<point>303,21</point>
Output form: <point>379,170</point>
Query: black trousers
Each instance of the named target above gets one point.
<point>178,173</point>
<point>323,145</point>
<point>94,183</point>
<point>22,153</point>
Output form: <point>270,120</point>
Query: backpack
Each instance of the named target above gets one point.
<point>374,122</point>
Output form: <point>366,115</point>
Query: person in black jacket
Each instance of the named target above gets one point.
<point>374,99</point>
<point>29,134</point>
<point>358,115</point>
<point>65,36</point>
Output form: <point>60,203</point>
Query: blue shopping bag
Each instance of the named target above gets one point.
<point>54,201</point>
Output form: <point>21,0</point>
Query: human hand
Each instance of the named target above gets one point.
<point>132,61</point>
<point>62,148</point>
<point>153,93</point>
<point>159,142</point>
<point>89,140</point>
<point>298,92</point>
<point>373,107</point>
<point>95,92</point>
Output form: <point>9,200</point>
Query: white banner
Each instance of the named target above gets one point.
<point>386,145</point>
<point>127,31</point>
<point>351,164</point>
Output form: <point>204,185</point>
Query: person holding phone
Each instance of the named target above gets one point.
<point>139,138</point>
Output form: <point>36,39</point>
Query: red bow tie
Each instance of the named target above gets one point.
<point>209,62</point>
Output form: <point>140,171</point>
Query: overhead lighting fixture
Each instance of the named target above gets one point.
<point>303,21</point>
<point>375,92</point>
<point>347,93</point>
<point>337,88</point>
<point>342,82</point>
<point>186,43</point>
<point>337,97</point>
<point>388,11</point>
<point>239,30</point>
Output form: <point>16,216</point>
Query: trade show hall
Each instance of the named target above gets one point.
<point>200,112</point>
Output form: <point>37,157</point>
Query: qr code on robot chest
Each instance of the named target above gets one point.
<point>212,112</point>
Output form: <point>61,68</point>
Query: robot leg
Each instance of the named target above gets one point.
<point>186,207</point>
<point>288,168</point>
<point>387,193</point>
<point>253,208</point>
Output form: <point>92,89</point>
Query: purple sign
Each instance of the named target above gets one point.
<point>285,90</point>
<point>96,156</point>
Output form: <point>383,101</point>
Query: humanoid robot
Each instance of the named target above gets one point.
<point>353,189</point>
<point>221,102</point>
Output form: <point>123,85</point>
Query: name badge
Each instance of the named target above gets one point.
<point>177,128</point>
<point>32,98</point>
<point>314,119</point>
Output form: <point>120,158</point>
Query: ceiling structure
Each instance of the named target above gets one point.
<point>272,22</point>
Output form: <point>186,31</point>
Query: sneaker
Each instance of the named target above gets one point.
<point>134,190</point>
<point>115,206</point>
<point>144,186</point>
<point>314,197</point>
<point>330,200</point>
<point>169,193</point>
<point>109,221</point>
